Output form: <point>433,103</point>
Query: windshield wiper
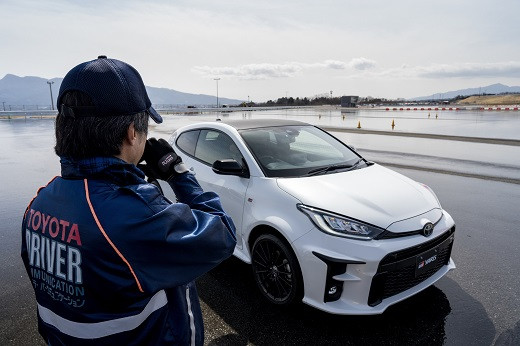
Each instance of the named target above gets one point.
<point>334,168</point>
<point>360,160</point>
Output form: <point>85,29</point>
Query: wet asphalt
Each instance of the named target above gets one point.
<point>476,304</point>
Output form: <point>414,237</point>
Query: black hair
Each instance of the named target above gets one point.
<point>89,136</point>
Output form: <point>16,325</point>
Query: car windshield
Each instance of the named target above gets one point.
<point>295,151</point>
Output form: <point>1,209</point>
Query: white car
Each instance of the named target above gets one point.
<point>316,221</point>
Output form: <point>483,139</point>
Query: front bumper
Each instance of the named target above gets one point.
<point>353,277</point>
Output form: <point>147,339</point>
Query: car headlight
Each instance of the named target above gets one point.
<point>339,225</point>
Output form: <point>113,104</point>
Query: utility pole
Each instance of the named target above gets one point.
<point>50,88</point>
<point>217,79</point>
<point>3,105</point>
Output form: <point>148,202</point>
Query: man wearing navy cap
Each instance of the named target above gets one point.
<point>111,260</point>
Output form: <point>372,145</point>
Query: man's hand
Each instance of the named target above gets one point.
<point>162,159</point>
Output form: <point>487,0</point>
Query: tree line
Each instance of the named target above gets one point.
<point>291,101</point>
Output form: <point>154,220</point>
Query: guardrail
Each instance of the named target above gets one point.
<point>452,108</point>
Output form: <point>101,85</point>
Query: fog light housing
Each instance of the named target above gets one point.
<point>333,289</point>
<point>335,266</point>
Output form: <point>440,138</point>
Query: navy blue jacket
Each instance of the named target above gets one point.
<point>112,261</point>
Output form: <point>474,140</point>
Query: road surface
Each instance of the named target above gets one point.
<point>477,304</point>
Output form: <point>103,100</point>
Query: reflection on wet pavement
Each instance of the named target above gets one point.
<point>464,308</point>
<point>228,292</point>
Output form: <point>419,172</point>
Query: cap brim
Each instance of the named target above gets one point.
<point>154,115</point>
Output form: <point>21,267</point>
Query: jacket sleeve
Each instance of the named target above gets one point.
<point>183,240</point>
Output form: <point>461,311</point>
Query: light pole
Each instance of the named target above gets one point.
<point>3,105</point>
<point>217,79</point>
<point>50,88</point>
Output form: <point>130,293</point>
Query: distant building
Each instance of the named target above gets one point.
<point>349,101</point>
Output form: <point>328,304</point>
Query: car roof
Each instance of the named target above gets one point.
<point>259,123</point>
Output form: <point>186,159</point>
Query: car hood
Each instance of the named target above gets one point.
<point>374,194</point>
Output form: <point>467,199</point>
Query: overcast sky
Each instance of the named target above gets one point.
<point>266,49</point>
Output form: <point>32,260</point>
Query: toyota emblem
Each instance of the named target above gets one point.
<point>427,229</point>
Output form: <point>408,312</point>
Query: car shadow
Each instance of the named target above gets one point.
<point>230,292</point>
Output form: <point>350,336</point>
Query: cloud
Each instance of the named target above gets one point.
<point>335,65</point>
<point>356,64</point>
<point>460,70</point>
<point>468,70</point>
<point>285,70</point>
<point>364,68</point>
<point>362,64</point>
<point>252,71</point>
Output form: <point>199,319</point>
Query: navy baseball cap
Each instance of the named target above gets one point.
<point>114,87</point>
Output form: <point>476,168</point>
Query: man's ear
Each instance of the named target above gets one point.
<point>131,134</point>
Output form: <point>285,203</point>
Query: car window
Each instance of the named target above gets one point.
<point>315,146</point>
<point>290,151</point>
<point>187,141</point>
<point>215,145</point>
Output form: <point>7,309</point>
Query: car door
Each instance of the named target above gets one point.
<point>203,147</point>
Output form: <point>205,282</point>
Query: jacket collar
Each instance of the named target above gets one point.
<point>105,168</point>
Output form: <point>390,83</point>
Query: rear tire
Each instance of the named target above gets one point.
<point>276,270</point>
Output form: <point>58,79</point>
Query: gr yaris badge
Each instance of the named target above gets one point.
<point>427,229</point>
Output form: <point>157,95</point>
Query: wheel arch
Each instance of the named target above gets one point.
<point>259,230</point>
<point>263,229</point>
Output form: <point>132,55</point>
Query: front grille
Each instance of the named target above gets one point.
<point>392,235</point>
<point>397,271</point>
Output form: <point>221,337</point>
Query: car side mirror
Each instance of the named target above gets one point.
<point>230,167</point>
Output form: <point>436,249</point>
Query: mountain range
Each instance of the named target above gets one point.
<point>490,89</point>
<point>31,91</point>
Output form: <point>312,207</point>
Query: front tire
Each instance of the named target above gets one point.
<point>276,270</point>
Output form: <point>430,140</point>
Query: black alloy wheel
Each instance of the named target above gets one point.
<point>276,270</point>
